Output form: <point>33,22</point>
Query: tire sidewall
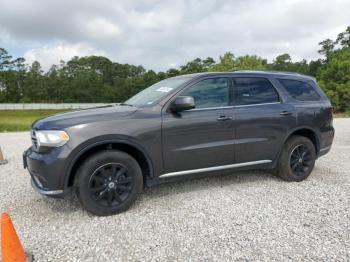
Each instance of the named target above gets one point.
<point>285,169</point>
<point>91,165</point>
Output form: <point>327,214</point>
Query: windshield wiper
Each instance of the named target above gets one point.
<point>125,104</point>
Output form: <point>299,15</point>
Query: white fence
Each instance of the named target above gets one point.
<point>20,106</point>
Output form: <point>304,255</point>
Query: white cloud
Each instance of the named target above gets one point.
<point>48,56</point>
<point>101,28</point>
<point>157,34</point>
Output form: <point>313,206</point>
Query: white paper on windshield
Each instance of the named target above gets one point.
<point>164,89</point>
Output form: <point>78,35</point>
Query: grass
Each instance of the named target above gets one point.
<point>21,120</point>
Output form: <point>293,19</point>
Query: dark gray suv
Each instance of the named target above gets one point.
<point>191,124</point>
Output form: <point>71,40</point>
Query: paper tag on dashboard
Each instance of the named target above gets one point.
<point>164,89</point>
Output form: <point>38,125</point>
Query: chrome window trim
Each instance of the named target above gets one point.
<point>226,107</point>
<point>214,168</point>
<point>272,103</point>
<point>209,108</point>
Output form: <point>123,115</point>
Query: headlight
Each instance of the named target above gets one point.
<point>51,138</point>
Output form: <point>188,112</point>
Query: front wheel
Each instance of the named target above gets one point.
<point>297,159</point>
<point>108,182</point>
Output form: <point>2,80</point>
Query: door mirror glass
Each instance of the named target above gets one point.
<point>182,103</point>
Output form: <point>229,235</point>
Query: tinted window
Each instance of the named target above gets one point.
<point>300,90</point>
<point>248,91</point>
<point>208,93</point>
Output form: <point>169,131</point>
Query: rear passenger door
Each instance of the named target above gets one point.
<point>262,119</point>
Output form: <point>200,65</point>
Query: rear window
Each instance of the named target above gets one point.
<point>300,90</point>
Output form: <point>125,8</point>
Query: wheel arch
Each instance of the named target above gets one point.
<point>307,132</point>
<point>108,143</point>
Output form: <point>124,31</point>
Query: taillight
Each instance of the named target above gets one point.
<point>331,110</point>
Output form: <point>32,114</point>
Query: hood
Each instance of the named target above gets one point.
<point>83,116</point>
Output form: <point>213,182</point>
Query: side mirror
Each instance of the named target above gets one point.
<point>182,103</point>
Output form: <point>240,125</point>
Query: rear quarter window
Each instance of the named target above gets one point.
<point>300,90</point>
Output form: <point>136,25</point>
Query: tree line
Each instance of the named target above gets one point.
<point>97,79</point>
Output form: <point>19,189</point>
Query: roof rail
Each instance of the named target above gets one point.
<point>269,71</point>
<point>275,72</point>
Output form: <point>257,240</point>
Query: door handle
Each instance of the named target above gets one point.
<point>286,113</point>
<point>224,118</point>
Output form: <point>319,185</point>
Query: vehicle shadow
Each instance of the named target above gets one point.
<point>67,205</point>
<point>179,185</point>
<point>192,183</point>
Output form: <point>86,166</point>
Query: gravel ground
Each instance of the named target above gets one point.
<point>244,216</point>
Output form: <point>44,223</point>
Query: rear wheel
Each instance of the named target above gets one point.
<point>297,159</point>
<point>108,182</point>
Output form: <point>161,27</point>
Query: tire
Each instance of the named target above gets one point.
<point>297,159</point>
<point>108,182</point>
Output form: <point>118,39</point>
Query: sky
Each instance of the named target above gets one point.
<point>159,34</point>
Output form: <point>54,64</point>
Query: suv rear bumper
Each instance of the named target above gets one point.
<point>324,151</point>
<point>327,137</point>
<point>45,171</point>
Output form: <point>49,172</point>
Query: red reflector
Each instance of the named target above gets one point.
<point>331,109</point>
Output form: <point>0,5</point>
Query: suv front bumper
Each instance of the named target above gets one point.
<point>45,171</point>
<point>44,191</point>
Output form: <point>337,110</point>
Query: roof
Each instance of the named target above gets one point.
<point>252,72</point>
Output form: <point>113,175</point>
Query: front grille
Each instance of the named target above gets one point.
<point>34,140</point>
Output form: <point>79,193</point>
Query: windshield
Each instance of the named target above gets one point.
<point>155,92</point>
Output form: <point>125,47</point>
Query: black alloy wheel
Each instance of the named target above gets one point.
<point>110,184</point>
<point>297,159</point>
<point>300,160</point>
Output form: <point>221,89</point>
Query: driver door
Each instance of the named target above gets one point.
<point>202,137</point>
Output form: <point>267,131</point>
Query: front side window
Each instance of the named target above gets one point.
<point>209,93</point>
<point>250,91</point>
<point>299,90</point>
